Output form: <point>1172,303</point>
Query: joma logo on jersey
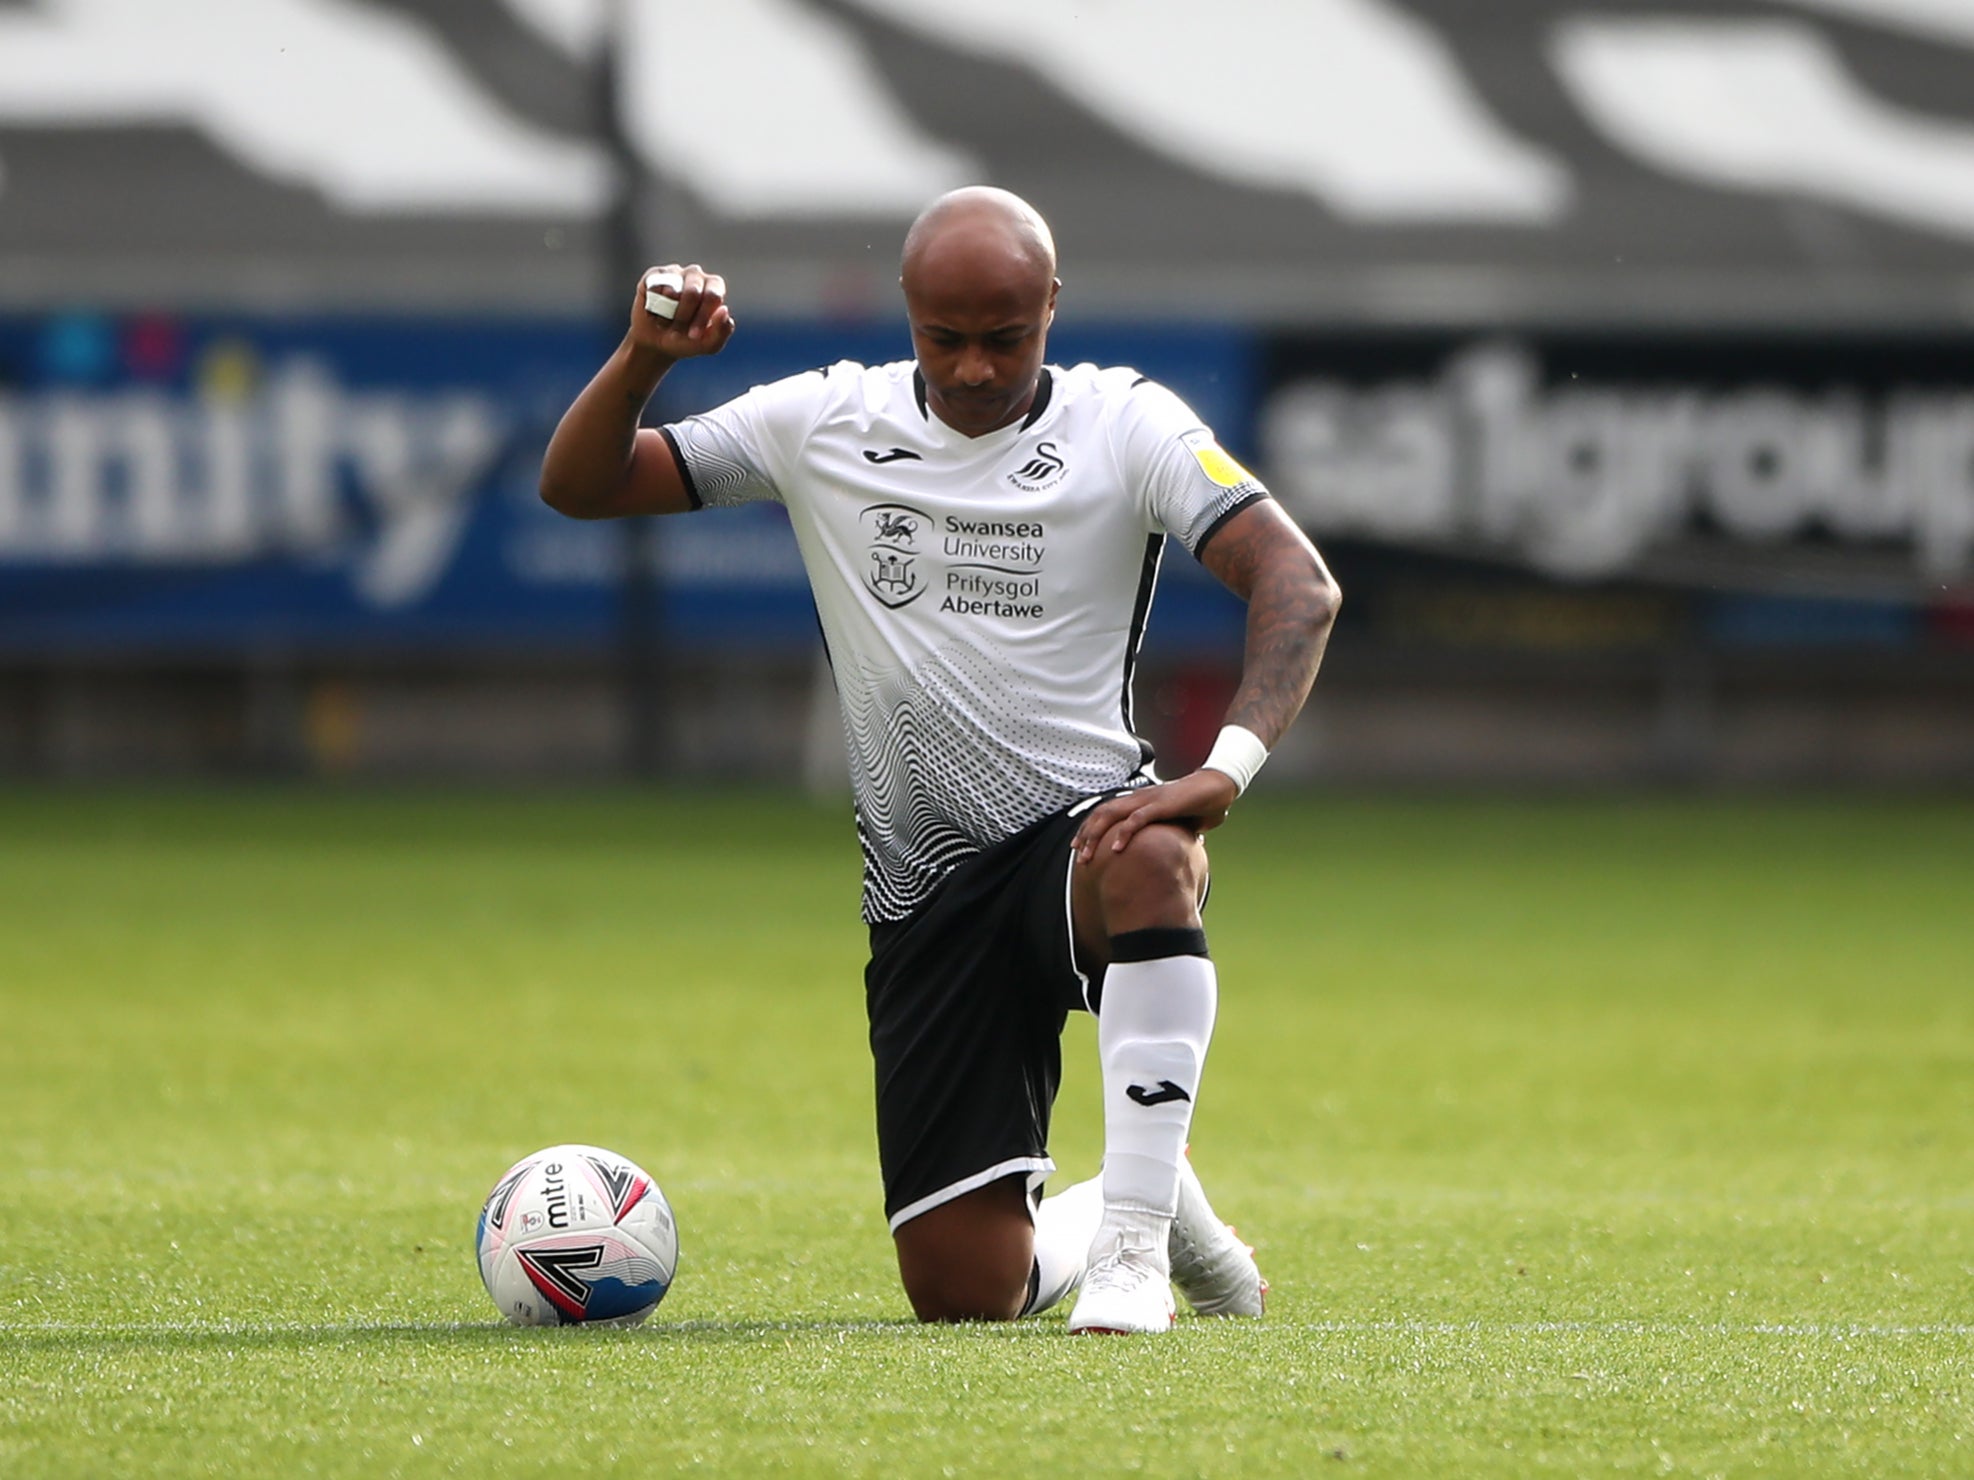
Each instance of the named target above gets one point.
<point>1042,470</point>
<point>891,535</point>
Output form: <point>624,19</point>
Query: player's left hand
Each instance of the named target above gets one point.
<point>1199,801</point>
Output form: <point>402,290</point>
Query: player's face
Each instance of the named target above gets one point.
<point>980,339</point>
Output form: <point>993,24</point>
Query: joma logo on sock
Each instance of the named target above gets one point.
<point>1166,1090</point>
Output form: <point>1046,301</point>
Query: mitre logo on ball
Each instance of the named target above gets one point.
<point>576,1235</point>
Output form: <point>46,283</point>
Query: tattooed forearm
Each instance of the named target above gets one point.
<point>1291,605</point>
<point>597,466</point>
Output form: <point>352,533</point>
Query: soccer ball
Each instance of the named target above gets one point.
<point>576,1235</point>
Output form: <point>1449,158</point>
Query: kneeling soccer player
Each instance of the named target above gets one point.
<point>982,533</point>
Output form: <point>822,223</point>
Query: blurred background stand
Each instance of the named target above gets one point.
<point>644,671</point>
<point>1637,423</point>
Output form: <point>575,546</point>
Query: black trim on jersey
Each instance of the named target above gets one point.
<point>1214,528</point>
<point>1045,385</point>
<point>685,471</point>
<point>823,637</point>
<point>1147,583</point>
<point>1141,380</point>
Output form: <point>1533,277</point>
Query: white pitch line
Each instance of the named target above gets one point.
<point>1840,1330</point>
<point>1653,1328</point>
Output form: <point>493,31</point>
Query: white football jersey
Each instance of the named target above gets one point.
<point>981,598</point>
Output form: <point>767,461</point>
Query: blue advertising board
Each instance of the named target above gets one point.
<point>228,485</point>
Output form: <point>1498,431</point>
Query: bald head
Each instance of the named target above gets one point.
<point>988,227</point>
<point>979,275</point>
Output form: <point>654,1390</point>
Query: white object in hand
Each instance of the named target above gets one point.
<point>655,301</point>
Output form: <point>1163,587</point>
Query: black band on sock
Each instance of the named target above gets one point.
<point>1034,1287</point>
<point>1156,944</point>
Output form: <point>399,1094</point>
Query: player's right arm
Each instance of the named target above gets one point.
<point>600,463</point>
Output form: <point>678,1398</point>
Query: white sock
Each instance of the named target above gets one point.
<point>1064,1226</point>
<point>1152,1032</point>
<point>1193,1208</point>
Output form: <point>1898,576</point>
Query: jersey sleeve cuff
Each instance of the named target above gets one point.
<point>685,469</point>
<point>1245,502</point>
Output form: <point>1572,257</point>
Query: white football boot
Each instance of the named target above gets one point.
<point>1127,1288</point>
<point>1213,1269</point>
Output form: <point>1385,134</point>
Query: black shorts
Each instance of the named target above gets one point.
<point>967,999</point>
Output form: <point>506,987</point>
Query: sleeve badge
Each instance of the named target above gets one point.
<point>1215,462</point>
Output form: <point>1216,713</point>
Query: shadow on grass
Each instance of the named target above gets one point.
<point>465,1334</point>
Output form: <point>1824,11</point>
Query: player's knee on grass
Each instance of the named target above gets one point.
<point>1154,882</point>
<point>958,1294</point>
<point>970,1259</point>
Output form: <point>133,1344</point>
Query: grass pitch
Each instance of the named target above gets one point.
<point>1585,1137</point>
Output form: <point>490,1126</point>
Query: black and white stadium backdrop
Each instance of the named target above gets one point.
<point>1773,163</point>
<point>1668,297</point>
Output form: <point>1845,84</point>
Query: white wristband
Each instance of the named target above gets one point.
<point>1237,753</point>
